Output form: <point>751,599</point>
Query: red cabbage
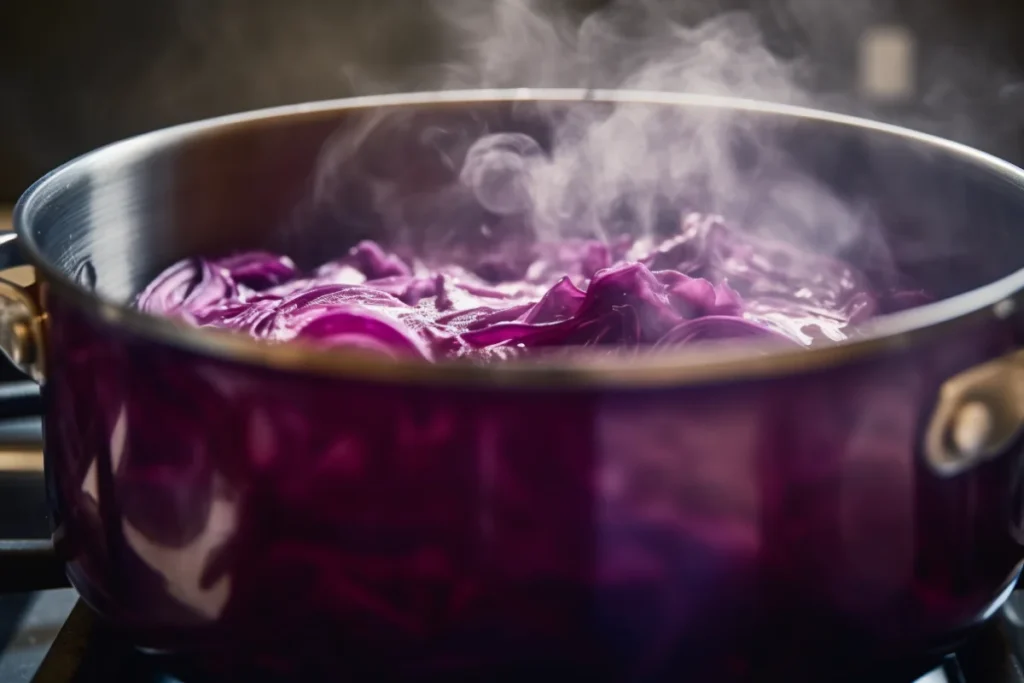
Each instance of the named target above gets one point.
<point>709,282</point>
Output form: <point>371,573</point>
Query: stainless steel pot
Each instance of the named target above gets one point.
<point>698,514</point>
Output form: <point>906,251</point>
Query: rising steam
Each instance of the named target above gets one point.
<point>613,170</point>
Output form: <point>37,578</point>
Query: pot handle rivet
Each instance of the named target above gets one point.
<point>972,428</point>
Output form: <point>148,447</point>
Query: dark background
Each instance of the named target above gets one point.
<point>75,74</point>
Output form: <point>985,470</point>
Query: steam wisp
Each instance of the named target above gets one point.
<point>613,170</point>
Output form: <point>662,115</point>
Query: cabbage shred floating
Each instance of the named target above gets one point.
<point>709,282</point>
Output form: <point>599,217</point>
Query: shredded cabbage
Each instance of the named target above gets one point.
<point>709,282</point>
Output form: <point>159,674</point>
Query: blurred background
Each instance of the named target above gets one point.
<point>75,74</point>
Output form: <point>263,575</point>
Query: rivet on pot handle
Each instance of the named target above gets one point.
<point>979,414</point>
<point>21,323</point>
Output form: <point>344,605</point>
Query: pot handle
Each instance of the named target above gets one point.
<point>21,322</point>
<point>978,415</point>
<point>26,565</point>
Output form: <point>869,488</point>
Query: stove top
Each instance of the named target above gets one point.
<point>59,640</point>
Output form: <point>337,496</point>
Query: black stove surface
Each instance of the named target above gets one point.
<point>83,650</point>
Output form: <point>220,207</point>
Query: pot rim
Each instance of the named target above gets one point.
<point>584,368</point>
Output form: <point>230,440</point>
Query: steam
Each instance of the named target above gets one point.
<point>631,167</point>
<point>623,166</point>
<point>502,169</point>
<point>635,44</point>
<point>612,170</point>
